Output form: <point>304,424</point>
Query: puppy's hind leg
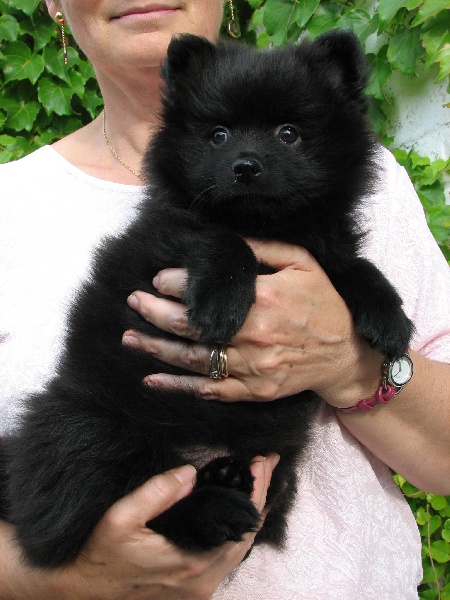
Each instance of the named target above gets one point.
<point>218,510</point>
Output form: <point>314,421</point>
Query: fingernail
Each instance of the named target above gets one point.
<point>185,474</point>
<point>128,339</point>
<point>156,280</point>
<point>133,302</point>
<point>274,460</point>
<point>151,380</point>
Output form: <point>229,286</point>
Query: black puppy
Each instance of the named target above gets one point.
<point>265,144</point>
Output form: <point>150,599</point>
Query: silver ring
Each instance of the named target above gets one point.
<point>218,362</point>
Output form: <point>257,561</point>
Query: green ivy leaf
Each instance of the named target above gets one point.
<point>9,28</point>
<point>380,72</point>
<point>7,141</point>
<point>437,502</point>
<point>417,160</point>
<point>438,218</point>
<point>293,32</point>
<point>27,6</point>
<point>360,22</point>
<point>21,63</point>
<point>86,69</point>
<point>433,171</point>
<point>429,595</point>
<point>387,9</point>
<point>263,40</point>
<point>404,50</point>
<point>6,156</point>
<point>320,23</point>
<point>430,8</point>
<point>304,10</point>
<point>255,3</point>
<point>20,114</point>
<point>55,97</point>
<point>431,195</point>
<point>434,32</point>
<point>277,17</point>
<point>54,63</point>
<point>422,516</point>
<point>440,551</point>
<point>431,571</point>
<point>436,40</point>
<point>257,18</point>
<point>41,29</point>
<point>76,83</point>
<point>16,146</point>
<point>412,4</point>
<point>60,127</point>
<point>432,526</point>
<point>443,58</point>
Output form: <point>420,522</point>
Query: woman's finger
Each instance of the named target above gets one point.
<point>262,469</point>
<point>154,497</point>
<point>188,356</point>
<point>165,314</point>
<point>280,255</point>
<point>223,390</point>
<point>171,282</point>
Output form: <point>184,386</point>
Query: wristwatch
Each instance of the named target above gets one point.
<point>399,371</point>
<point>395,375</point>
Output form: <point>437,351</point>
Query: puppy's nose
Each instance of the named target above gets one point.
<point>246,169</point>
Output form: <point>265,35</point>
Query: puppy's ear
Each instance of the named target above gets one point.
<point>340,57</point>
<point>182,53</point>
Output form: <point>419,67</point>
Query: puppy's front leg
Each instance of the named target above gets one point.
<point>375,305</point>
<point>222,272</point>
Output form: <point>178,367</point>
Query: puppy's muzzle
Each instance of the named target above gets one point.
<point>246,169</point>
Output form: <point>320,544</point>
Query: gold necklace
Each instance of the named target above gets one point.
<point>138,175</point>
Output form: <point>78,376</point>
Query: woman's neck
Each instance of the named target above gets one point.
<point>112,146</point>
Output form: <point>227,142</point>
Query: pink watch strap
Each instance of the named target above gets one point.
<point>382,396</point>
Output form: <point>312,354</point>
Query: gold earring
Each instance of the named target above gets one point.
<point>233,24</point>
<point>59,17</point>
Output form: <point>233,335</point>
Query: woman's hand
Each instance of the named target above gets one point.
<point>124,560</point>
<point>298,335</point>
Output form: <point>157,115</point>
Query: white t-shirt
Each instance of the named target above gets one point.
<point>351,533</point>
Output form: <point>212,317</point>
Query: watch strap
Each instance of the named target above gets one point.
<point>387,389</point>
<point>382,396</point>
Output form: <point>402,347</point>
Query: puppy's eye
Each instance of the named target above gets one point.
<point>288,134</point>
<point>219,135</point>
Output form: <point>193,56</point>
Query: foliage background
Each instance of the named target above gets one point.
<point>41,100</point>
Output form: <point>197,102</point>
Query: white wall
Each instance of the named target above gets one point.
<point>418,116</point>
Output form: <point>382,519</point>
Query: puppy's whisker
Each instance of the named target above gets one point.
<point>200,198</point>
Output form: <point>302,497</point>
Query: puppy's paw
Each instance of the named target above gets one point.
<point>228,472</point>
<point>207,518</point>
<point>220,288</point>
<point>376,307</point>
<point>220,313</point>
<point>389,333</point>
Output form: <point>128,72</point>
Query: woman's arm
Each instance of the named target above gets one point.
<point>411,433</point>
<point>299,335</point>
<point>126,561</point>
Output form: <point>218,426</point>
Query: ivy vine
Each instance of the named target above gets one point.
<point>407,36</point>
<point>41,101</point>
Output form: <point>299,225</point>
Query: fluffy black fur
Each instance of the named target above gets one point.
<point>266,144</point>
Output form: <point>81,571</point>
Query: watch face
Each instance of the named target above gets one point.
<point>400,370</point>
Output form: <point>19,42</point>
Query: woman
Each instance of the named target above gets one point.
<point>299,335</point>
